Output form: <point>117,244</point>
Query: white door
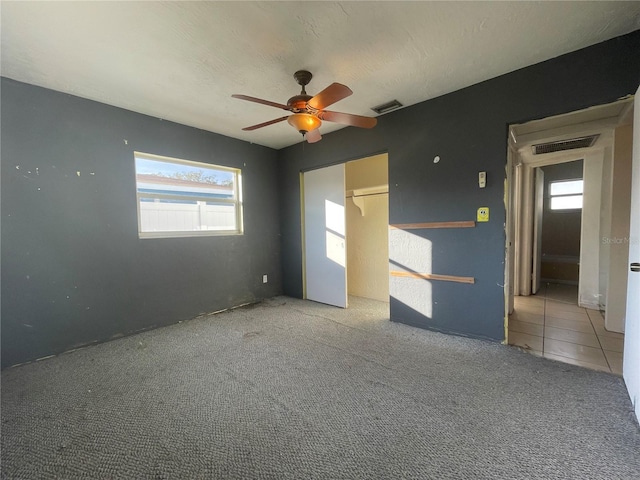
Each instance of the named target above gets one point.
<point>537,230</point>
<point>324,236</point>
<point>631,363</point>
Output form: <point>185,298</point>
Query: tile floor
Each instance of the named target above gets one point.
<point>551,324</point>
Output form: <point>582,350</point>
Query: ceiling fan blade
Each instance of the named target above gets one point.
<point>261,101</point>
<point>313,136</point>
<point>329,96</point>
<point>265,124</point>
<point>348,119</point>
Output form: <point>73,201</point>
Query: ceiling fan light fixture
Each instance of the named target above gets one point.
<point>304,122</point>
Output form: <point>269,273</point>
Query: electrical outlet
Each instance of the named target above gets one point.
<point>264,278</point>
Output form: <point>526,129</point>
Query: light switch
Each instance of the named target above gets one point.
<point>482,179</point>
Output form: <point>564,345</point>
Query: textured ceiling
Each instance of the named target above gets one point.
<point>181,61</point>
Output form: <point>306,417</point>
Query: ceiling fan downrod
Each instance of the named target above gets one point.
<point>303,78</point>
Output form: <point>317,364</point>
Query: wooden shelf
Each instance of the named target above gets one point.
<point>413,226</point>
<point>433,276</point>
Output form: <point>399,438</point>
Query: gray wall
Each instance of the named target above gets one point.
<point>73,268</point>
<point>75,272</point>
<point>468,130</point>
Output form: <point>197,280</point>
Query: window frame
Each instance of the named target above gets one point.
<point>236,200</point>
<point>551,196</point>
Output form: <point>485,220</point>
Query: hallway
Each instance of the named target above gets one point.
<point>551,324</point>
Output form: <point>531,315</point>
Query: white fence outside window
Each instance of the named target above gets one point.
<point>158,216</point>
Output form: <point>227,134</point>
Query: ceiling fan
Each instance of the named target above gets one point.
<point>308,111</point>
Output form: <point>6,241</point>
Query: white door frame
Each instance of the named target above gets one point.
<point>524,186</point>
<point>601,120</point>
<point>538,212</point>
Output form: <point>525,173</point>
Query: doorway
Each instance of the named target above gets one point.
<point>559,225</point>
<point>345,231</point>
<point>560,291</point>
<point>367,220</point>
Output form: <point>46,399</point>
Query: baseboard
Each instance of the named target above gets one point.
<point>589,305</point>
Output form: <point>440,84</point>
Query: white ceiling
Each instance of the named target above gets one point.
<point>181,61</point>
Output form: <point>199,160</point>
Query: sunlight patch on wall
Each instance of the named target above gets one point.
<point>411,253</point>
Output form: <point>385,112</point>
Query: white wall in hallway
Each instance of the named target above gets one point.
<point>605,223</point>
<point>589,279</point>
<point>617,240</point>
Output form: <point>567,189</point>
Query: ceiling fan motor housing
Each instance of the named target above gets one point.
<point>299,103</point>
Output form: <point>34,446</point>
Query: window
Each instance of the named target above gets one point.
<point>566,195</point>
<point>180,198</point>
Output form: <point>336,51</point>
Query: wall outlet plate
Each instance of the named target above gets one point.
<point>264,278</point>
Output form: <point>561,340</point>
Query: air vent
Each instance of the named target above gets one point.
<point>582,142</point>
<point>387,107</point>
